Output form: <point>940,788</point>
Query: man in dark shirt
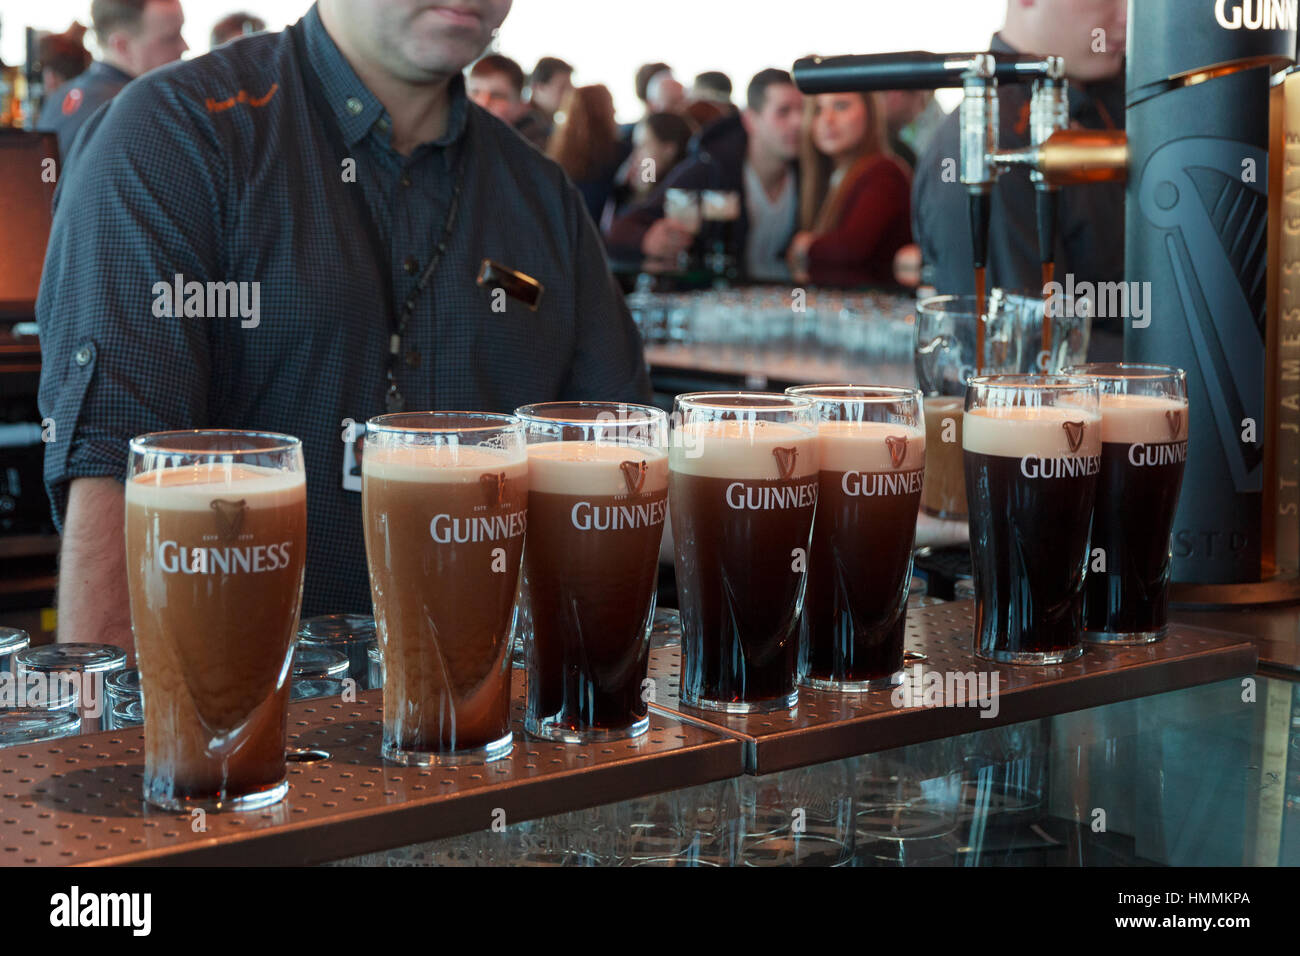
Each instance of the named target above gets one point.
<point>1089,34</point>
<point>316,169</point>
<point>135,36</point>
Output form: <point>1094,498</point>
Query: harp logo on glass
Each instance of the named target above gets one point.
<point>180,299</point>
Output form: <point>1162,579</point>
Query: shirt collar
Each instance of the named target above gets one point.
<point>108,72</point>
<point>355,108</point>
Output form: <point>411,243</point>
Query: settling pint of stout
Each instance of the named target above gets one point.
<point>216,535</point>
<point>871,449</point>
<point>944,493</point>
<point>1033,455</point>
<point>444,500</point>
<point>597,499</point>
<point>1143,452</point>
<point>742,492</point>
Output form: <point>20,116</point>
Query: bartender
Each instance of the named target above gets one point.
<point>287,235</point>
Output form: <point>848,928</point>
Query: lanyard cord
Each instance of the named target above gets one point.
<point>398,320</point>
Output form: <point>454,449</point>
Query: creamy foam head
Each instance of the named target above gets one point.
<point>1017,430</point>
<point>440,463</point>
<point>866,446</point>
<point>744,450</point>
<point>193,487</point>
<point>1145,419</point>
<point>593,468</point>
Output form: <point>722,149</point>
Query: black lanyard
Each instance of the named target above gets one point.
<point>398,320</point>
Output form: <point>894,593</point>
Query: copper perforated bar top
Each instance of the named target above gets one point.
<point>77,800</point>
<point>828,726</point>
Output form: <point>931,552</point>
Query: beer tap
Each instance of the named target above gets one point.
<point>1056,154</point>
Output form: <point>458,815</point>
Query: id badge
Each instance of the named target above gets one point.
<point>354,440</point>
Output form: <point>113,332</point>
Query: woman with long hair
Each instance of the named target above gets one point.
<point>855,202</point>
<point>587,145</point>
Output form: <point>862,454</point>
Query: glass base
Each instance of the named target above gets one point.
<point>449,758</point>
<point>548,729</point>
<point>1126,638</point>
<point>742,706</point>
<point>1032,657</point>
<point>854,686</point>
<point>256,800</point>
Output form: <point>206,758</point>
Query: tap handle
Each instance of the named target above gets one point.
<point>913,70</point>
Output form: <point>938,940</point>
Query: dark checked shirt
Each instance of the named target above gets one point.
<point>75,102</point>
<point>219,170</point>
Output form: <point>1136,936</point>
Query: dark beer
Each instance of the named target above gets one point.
<point>1143,451</point>
<point>869,489</point>
<point>444,531</point>
<point>596,515</point>
<point>1031,480</point>
<point>215,555</point>
<point>742,496</point>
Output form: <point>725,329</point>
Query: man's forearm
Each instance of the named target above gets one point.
<point>92,600</point>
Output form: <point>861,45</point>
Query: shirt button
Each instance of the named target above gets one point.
<point>410,265</point>
<point>382,125</point>
<point>82,356</point>
<point>406,178</point>
<point>354,105</point>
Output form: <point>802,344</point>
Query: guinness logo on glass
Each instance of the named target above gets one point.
<point>897,449</point>
<point>494,488</point>
<point>229,516</point>
<point>1073,434</point>
<point>1175,420</point>
<point>785,460</point>
<point>634,475</point>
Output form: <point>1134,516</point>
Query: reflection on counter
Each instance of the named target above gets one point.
<point>1192,777</point>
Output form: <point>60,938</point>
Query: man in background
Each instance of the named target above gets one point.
<point>1090,230</point>
<point>496,83</point>
<point>664,94</point>
<point>549,84</point>
<point>753,153</point>
<point>713,86</point>
<point>233,27</point>
<point>134,36</point>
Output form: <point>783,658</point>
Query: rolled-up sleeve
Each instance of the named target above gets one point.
<point>609,361</point>
<point>139,203</point>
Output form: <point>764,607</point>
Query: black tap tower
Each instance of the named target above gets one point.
<point>1196,229</point>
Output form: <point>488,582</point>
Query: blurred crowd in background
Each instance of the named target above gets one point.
<point>809,189</point>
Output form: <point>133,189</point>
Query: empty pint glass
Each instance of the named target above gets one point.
<point>946,360</point>
<point>871,450</point>
<point>1143,452</point>
<point>597,498</point>
<point>742,491</point>
<point>216,536</point>
<point>1033,453</point>
<point>444,500</point>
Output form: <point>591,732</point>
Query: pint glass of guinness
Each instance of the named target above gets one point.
<point>742,491</point>
<point>597,498</point>
<point>1143,450</point>
<point>871,449</point>
<point>1033,454</point>
<point>444,500</point>
<point>216,536</point>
